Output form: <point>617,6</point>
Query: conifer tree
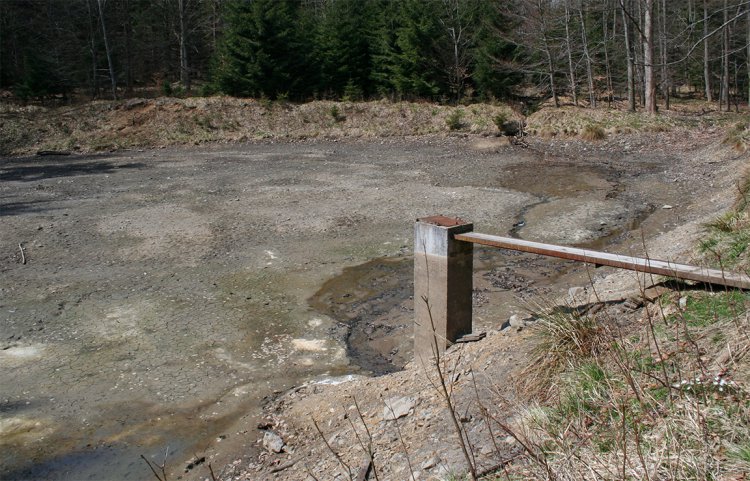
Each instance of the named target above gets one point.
<point>415,72</point>
<point>263,52</point>
<point>343,47</point>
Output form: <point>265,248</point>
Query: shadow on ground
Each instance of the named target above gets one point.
<point>30,169</point>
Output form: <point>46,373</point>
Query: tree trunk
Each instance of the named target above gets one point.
<point>548,54</point>
<point>747,19</point>
<point>607,66</point>
<point>665,78</point>
<point>706,65</point>
<point>112,77</point>
<point>128,50</point>
<point>638,56</point>
<point>2,31</point>
<point>215,21</point>
<point>92,49</point>
<point>571,67</point>
<point>629,51</point>
<point>551,70</point>
<point>589,70</point>
<point>552,86</point>
<point>184,69</point>
<point>649,86</point>
<point>725,61</point>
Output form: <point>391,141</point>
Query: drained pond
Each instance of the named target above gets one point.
<point>150,301</point>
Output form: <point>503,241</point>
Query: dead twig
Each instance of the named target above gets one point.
<point>446,393</point>
<point>282,467</point>
<point>23,255</point>
<point>153,469</point>
<point>367,449</point>
<point>403,443</point>
<point>333,451</point>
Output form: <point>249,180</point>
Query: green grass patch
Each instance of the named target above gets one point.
<point>707,309</point>
<point>742,453</point>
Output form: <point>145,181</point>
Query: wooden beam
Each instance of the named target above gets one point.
<point>650,266</point>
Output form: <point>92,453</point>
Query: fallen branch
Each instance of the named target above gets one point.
<point>23,255</point>
<point>282,467</point>
<point>153,469</point>
<point>52,152</point>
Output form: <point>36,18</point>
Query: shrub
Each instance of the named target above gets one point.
<point>564,338</point>
<point>352,92</point>
<point>738,136</point>
<point>336,114</point>
<point>166,89</point>
<point>499,120</point>
<point>455,120</point>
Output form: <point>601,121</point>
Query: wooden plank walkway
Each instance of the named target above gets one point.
<point>651,266</point>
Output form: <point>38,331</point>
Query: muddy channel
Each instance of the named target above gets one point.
<point>163,295</point>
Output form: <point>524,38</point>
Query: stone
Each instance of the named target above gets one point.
<point>272,442</point>
<point>396,408</point>
<point>430,463</point>
<point>654,292</point>
<point>683,303</point>
<point>576,294</point>
<point>515,321</point>
<point>667,207</point>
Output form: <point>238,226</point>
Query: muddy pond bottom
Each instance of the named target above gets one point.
<point>167,294</point>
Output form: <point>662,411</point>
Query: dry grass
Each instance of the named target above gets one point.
<point>739,136</point>
<point>727,240</point>
<point>572,121</point>
<point>144,123</point>
<point>140,123</point>
<point>665,397</point>
<point>593,132</point>
<point>564,339</point>
<point>662,395</point>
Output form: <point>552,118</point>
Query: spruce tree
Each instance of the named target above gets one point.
<point>343,47</point>
<point>263,52</point>
<point>493,74</point>
<point>416,73</point>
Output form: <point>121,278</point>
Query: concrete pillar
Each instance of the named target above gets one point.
<point>442,284</point>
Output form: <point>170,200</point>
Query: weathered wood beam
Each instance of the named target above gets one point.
<point>650,266</point>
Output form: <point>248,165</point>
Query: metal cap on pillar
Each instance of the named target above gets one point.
<point>442,283</point>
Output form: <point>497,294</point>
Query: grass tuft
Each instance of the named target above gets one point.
<point>593,132</point>
<point>727,240</point>
<point>738,136</point>
<point>666,402</point>
<point>455,121</point>
<point>564,339</point>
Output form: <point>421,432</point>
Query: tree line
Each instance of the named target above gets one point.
<point>587,51</point>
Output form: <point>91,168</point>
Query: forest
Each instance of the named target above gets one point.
<point>588,52</point>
